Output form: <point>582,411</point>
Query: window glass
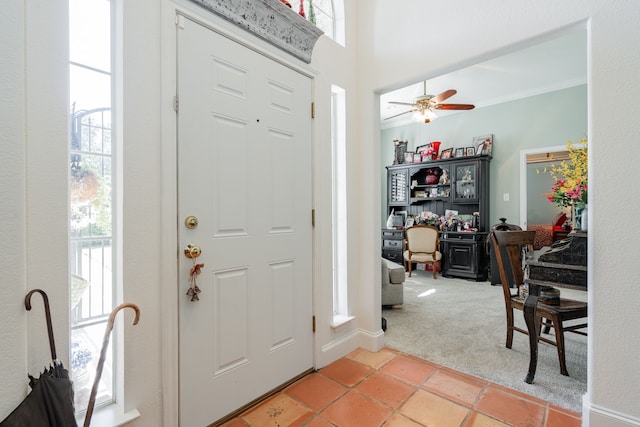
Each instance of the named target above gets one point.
<point>91,191</point>
<point>339,201</point>
<point>326,16</point>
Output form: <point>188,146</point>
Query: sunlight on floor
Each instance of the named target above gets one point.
<point>427,293</point>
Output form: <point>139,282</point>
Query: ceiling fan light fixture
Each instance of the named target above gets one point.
<point>424,116</point>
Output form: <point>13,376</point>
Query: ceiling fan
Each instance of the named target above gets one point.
<point>424,105</point>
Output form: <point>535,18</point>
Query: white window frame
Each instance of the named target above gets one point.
<point>111,412</point>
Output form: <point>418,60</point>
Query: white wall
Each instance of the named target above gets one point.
<point>396,52</point>
<point>13,339</point>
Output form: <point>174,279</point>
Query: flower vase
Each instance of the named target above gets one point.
<point>584,219</point>
<point>435,145</point>
<point>577,211</point>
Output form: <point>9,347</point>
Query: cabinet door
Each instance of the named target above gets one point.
<point>466,187</point>
<point>461,258</point>
<point>398,191</point>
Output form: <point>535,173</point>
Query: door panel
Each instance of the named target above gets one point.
<point>244,169</point>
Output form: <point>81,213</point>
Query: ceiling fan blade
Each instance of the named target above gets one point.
<point>401,103</point>
<point>444,95</point>
<point>396,115</point>
<point>454,107</point>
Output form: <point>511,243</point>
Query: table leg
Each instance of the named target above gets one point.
<point>529,309</point>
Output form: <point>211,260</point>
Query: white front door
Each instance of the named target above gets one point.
<point>244,170</point>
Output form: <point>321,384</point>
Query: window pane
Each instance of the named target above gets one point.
<point>91,193</point>
<point>323,10</point>
<point>90,33</point>
<point>89,89</point>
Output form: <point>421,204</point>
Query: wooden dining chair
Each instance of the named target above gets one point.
<point>422,246</point>
<point>508,252</point>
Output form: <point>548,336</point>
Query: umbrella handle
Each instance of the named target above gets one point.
<point>103,354</point>
<point>47,312</point>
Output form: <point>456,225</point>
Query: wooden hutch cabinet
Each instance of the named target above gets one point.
<point>417,187</point>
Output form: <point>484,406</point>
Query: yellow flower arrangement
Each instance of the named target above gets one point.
<point>570,188</point>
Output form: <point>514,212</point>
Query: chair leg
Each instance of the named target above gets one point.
<point>410,265</point>
<point>557,326</point>
<point>509,328</point>
<point>433,267</point>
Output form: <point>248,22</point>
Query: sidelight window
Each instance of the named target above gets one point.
<point>92,232</point>
<point>339,202</point>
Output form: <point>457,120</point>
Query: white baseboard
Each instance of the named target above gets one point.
<point>371,341</point>
<point>345,344</point>
<point>595,416</point>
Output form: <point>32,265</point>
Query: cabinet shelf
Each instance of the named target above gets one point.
<point>418,200</point>
<point>431,186</point>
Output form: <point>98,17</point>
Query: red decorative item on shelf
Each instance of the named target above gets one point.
<point>285,2</point>
<point>435,146</point>
<point>301,11</point>
<point>433,176</point>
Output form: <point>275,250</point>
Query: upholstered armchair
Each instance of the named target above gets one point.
<point>392,284</point>
<point>422,247</point>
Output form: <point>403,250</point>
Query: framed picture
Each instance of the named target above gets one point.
<point>408,156</point>
<point>417,157</point>
<point>446,154</point>
<point>410,222</point>
<point>459,152</point>
<point>484,141</point>
<point>470,151</point>
<point>421,148</point>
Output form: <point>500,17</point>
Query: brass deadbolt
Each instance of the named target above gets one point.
<point>191,222</point>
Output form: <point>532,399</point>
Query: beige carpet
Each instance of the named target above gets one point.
<point>461,324</point>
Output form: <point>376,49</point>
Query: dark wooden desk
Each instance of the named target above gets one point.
<point>565,265</point>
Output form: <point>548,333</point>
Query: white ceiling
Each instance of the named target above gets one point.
<point>544,67</point>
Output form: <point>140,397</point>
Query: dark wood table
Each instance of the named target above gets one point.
<point>565,266</point>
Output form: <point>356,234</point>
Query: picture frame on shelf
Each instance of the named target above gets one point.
<point>408,156</point>
<point>404,215</point>
<point>446,154</point>
<point>459,152</point>
<point>470,151</point>
<point>486,141</point>
<point>417,157</point>
<point>421,148</point>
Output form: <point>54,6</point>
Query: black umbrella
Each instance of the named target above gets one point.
<point>50,402</point>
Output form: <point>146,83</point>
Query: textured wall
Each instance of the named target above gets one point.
<point>13,331</point>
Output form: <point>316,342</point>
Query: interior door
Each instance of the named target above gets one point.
<point>244,171</point>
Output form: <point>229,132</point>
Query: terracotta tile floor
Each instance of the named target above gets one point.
<point>394,389</point>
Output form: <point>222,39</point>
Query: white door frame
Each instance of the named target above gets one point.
<point>169,214</point>
<point>523,177</point>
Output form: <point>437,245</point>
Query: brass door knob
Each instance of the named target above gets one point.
<point>192,251</point>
